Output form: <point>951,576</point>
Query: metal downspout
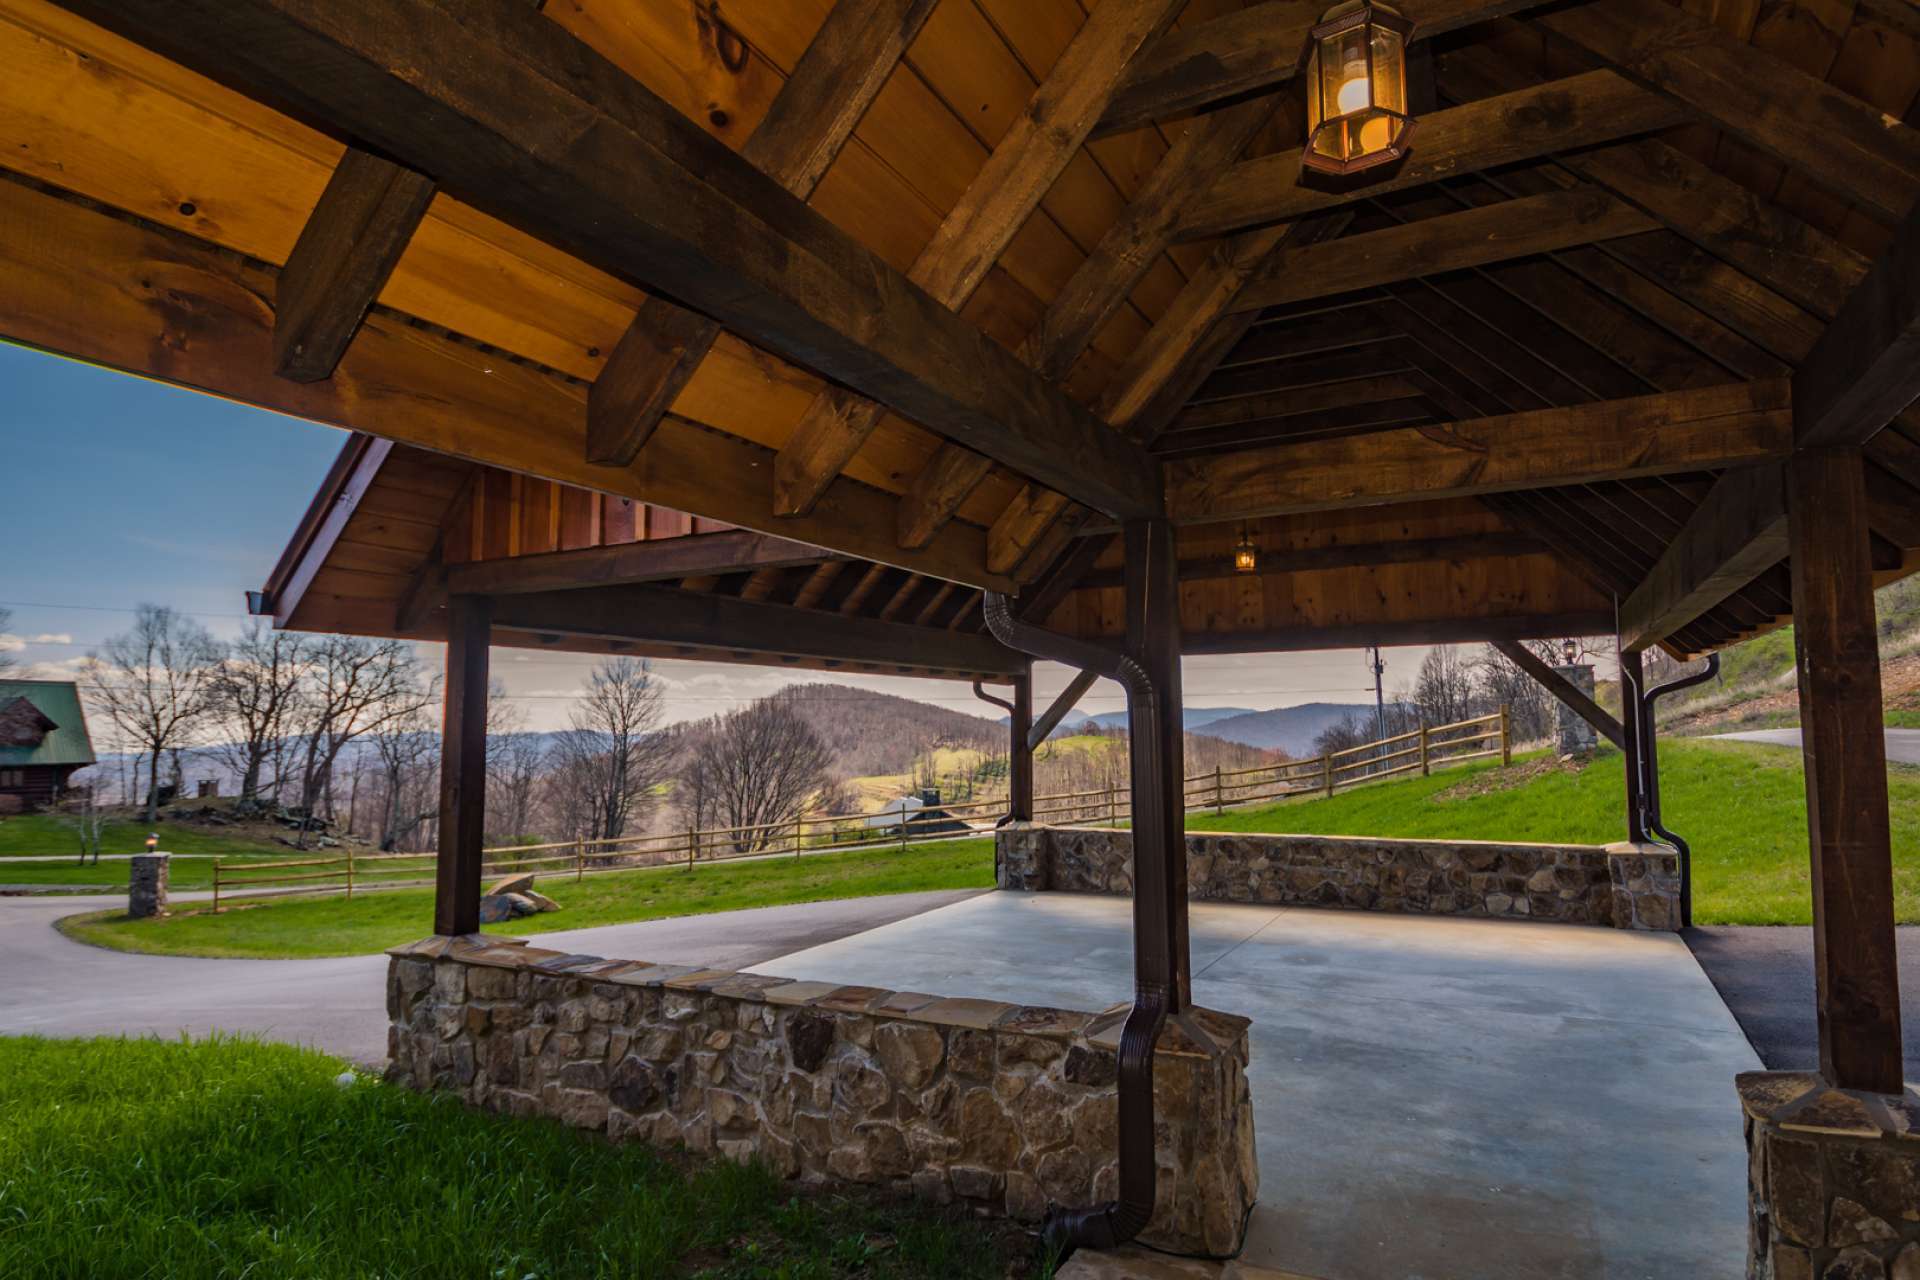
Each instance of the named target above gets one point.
<point>1115,1222</point>
<point>980,692</point>
<point>1650,786</point>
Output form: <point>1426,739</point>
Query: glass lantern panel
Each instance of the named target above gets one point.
<point>1344,83</point>
<point>1389,69</point>
<point>1316,101</point>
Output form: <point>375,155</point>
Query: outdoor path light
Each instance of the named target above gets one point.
<point>1356,76</point>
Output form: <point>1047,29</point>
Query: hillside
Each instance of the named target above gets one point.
<point>1288,729</point>
<point>882,733</point>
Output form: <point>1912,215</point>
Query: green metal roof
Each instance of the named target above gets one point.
<point>58,701</point>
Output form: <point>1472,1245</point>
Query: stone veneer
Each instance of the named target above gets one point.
<point>1833,1180</point>
<point>1629,886</point>
<point>147,885</point>
<point>1002,1107</point>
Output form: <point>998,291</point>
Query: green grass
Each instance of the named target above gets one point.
<point>1903,719</point>
<point>371,922</point>
<point>40,834</point>
<point>1741,806</point>
<point>130,1159</point>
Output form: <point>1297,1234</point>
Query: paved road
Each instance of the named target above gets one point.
<point>1766,977</point>
<point>52,985</point>
<point>1903,745</point>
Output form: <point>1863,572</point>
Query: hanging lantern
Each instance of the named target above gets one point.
<point>1356,78</point>
<point>1246,557</point>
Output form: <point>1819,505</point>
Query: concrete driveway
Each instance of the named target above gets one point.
<point>58,987</point>
<point>1903,745</point>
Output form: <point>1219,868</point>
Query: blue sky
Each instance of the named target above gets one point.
<point>118,490</point>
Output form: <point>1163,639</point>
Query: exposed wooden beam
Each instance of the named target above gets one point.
<point>1855,957</point>
<point>1580,111</point>
<point>1737,533</point>
<point>1269,405</point>
<point>836,80</point>
<point>1450,242</point>
<point>970,239</point>
<point>67,284</point>
<point>1060,708</point>
<point>1359,555</point>
<point>1355,635</point>
<point>352,474</point>
<point>463,770</point>
<point>1567,691</point>
<point>356,233</point>
<point>1811,126</point>
<point>1038,602</point>
<point>1648,435</point>
<point>655,560</point>
<point>662,615</point>
<point>1252,49</point>
<point>1098,288</point>
<point>1319,424</point>
<point>1866,367</point>
<point>494,102</point>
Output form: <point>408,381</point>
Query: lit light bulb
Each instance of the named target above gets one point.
<point>1354,93</point>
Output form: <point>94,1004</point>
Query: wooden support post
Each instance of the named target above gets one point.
<point>1506,734</point>
<point>1326,771</point>
<point>463,768</point>
<point>1152,609</point>
<point>1019,739</point>
<point>1426,764</point>
<point>349,873</point>
<point>1632,681</point>
<point>579,861</point>
<point>1219,794</point>
<point>1856,978</point>
<point>693,846</point>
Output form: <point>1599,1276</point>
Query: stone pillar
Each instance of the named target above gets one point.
<point>147,885</point>
<point>1833,1179</point>
<point>1646,886</point>
<point>1577,737</point>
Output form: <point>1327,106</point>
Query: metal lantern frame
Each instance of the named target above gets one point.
<point>1246,556</point>
<point>1319,39</point>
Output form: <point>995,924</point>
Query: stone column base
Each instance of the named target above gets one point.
<point>1833,1180</point>
<point>1646,886</point>
<point>147,885</point>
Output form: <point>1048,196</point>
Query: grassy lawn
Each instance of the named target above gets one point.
<point>141,1158</point>
<point>1742,806</point>
<point>37,834</point>
<point>372,922</point>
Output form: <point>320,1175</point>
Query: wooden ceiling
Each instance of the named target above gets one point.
<point>1495,391</point>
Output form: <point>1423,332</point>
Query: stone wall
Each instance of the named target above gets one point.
<point>1002,1107</point>
<point>1625,885</point>
<point>1833,1180</point>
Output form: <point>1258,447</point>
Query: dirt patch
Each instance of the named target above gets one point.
<point>1899,688</point>
<point>1510,778</point>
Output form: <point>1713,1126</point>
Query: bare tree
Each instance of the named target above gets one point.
<point>1504,682</point>
<point>615,750</point>
<point>407,746</point>
<point>156,683</point>
<point>514,769</point>
<point>762,764</point>
<point>355,685</point>
<point>80,813</point>
<point>1443,691</point>
<point>256,693</point>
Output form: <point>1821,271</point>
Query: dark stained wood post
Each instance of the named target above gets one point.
<point>1632,685</point>
<point>1152,607</point>
<point>463,768</point>
<point>1856,980</point>
<point>1020,763</point>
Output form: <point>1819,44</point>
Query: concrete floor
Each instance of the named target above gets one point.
<point>51,985</point>
<point>1434,1098</point>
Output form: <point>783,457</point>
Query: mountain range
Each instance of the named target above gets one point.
<point>1288,729</point>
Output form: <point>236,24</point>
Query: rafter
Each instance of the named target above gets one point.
<point>491,99</point>
<point>1016,177</point>
<point>1494,233</point>
<point>1648,435</point>
<point>1863,370</point>
<point>1580,111</point>
<point>1807,124</point>
<point>811,118</point>
<point>655,560</point>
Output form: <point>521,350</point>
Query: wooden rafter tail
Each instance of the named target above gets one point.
<point>810,120</point>
<point>1016,176</point>
<point>657,200</point>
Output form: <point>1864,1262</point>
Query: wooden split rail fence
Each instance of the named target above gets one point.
<point>1420,750</point>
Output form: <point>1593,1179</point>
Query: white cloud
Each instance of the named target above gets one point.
<point>11,643</point>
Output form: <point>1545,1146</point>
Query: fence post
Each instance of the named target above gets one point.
<point>216,886</point>
<point>1426,764</point>
<point>1326,768</point>
<point>579,861</point>
<point>1506,736</point>
<point>796,834</point>
<point>693,846</point>
<point>349,873</point>
<point>1113,806</point>
<point>1219,793</point>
